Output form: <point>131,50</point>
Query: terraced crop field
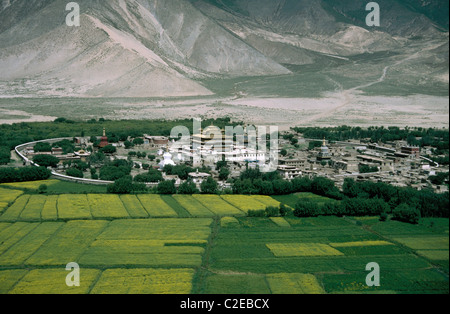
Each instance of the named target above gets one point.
<point>8,196</point>
<point>205,244</point>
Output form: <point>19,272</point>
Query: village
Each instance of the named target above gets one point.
<point>395,163</point>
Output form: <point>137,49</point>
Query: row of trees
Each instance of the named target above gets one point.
<point>125,185</point>
<point>438,138</point>
<point>20,133</point>
<point>253,182</point>
<point>24,174</point>
<point>358,207</point>
<point>5,155</point>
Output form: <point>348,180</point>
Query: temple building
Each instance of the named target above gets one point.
<point>212,138</point>
<point>324,154</point>
<point>103,140</point>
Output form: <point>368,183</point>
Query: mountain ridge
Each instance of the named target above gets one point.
<point>151,48</point>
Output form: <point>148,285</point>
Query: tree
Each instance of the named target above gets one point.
<point>42,147</point>
<point>439,178</point>
<point>138,141</point>
<point>66,145</point>
<point>80,165</point>
<point>128,144</point>
<point>245,187</point>
<point>167,187</point>
<point>121,186</point>
<point>74,172</point>
<point>221,164</point>
<point>5,155</point>
<point>188,188</point>
<point>368,169</point>
<point>109,149</point>
<point>325,187</point>
<point>282,187</point>
<point>209,186</point>
<point>263,187</point>
<point>182,171</point>
<point>97,158</point>
<point>224,174</point>
<point>43,188</point>
<point>46,161</point>
<point>272,211</point>
<point>406,213</point>
<point>301,184</point>
<point>24,174</point>
<point>284,210</point>
<point>112,173</point>
<point>306,209</point>
<point>283,152</point>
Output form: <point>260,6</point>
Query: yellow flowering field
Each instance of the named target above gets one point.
<point>155,206</point>
<point>32,185</point>
<point>296,283</point>
<point>8,278</point>
<point>164,242</point>
<point>30,243</point>
<point>4,225</point>
<point>32,211</point>
<point>106,206</point>
<point>360,243</point>
<point>8,196</point>
<point>218,206</point>
<point>266,200</point>
<point>73,207</point>
<point>68,243</point>
<point>145,281</point>
<point>13,234</point>
<point>280,221</point>
<point>166,229</point>
<point>244,202</point>
<point>50,210</point>
<point>53,281</point>
<point>193,206</point>
<point>133,206</point>
<point>14,211</point>
<point>302,249</point>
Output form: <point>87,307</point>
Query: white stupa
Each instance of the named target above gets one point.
<point>167,160</point>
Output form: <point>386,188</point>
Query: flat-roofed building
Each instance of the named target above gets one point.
<point>411,150</point>
<point>299,163</point>
<point>289,172</point>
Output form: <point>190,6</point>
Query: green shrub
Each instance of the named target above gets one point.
<point>306,209</point>
<point>406,213</point>
<point>285,211</point>
<point>256,213</point>
<point>272,211</point>
<point>74,172</point>
<point>43,188</point>
<point>167,187</point>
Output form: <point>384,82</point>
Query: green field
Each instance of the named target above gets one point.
<point>292,199</point>
<point>203,244</point>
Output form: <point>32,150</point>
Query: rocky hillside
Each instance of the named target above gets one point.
<point>151,48</point>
